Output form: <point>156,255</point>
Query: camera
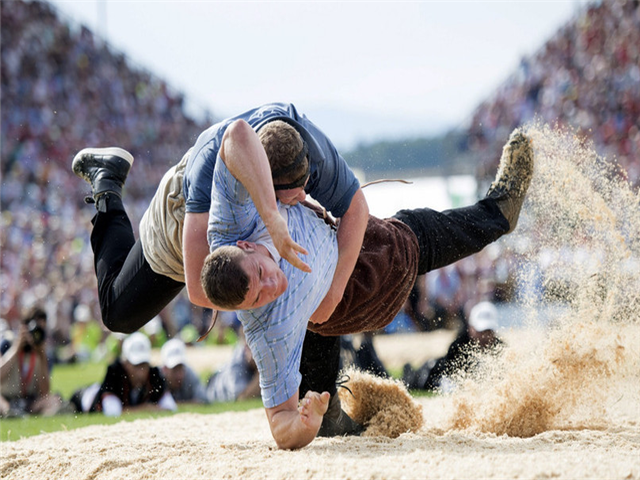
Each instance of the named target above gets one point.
<point>38,334</point>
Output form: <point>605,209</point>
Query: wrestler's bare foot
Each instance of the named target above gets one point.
<point>312,408</point>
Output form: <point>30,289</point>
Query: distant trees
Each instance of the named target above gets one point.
<point>438,155</point>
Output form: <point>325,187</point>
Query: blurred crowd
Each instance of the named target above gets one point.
<point>64,88</point>
<point>587,77</point>
<point>132,380</point>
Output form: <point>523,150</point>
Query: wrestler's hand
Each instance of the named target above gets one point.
<point>283,242</point>
<point>312,408</point>
<point>326,307</point>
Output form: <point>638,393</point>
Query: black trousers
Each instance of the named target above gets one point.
<point>443,238</point>
<point>130,292</point>
<point>448,236</point>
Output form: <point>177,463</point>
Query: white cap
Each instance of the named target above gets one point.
<point>484,316</point>
<point>82,313</point>
<point>154,326</point>
<point>174,353</point>
<point>136,349</point>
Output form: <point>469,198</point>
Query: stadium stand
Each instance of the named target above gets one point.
<point>586,76</point>
<point>63,89</point>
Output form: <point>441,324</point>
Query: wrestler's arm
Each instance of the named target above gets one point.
<point>244,156</point>
<point>350,235</point>
<point>295,426</point>
<point>195,250</point>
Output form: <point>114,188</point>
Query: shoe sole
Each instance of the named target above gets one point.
<point>109,151</point>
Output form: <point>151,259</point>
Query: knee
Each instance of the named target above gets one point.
<point>118,324</point>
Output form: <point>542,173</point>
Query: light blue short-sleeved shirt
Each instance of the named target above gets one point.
<point>331,182</point>
<point>275,332</point>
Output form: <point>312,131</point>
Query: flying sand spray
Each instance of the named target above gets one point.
<point>577,246</point>
<point>584,215</point>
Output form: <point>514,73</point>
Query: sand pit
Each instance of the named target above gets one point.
<point>562,401</point>
<point>239,445</point>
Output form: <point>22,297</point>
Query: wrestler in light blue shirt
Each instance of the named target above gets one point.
<point>276,331</point>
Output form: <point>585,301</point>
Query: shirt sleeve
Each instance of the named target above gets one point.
<point>198,179</point>
<point>198,175</point>
<point>232,215</point>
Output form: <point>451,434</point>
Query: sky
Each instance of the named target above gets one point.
<point>362,71</point>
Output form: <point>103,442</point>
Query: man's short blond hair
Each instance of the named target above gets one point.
<point>283,144</point>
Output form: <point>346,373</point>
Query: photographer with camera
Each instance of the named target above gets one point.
<point>24,372</point>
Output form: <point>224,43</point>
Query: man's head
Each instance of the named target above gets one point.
<point>174,359</point>
<point>136,356</point>
<point>287,153</point>
<point>36,324</point>
<point>483,323</point>
<point>242,277</point>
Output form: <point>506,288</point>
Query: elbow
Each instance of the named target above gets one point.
<point>288,438</point>
<point>238,130</point>
<point>192,295</point>
<point>199,299</point>
<point>282,445</point>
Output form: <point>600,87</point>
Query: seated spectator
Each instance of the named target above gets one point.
<point>237,379</point>
<point>130,384</point>
<point>478,337</point>
<point>182,381</point>
<point>24,372</point>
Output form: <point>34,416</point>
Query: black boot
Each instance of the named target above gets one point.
<point>513,177</point>
<point>336,423</point>
<point>105,169</point>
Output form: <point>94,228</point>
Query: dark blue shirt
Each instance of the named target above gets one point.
<point>331,181</point>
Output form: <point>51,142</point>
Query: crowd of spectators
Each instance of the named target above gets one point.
<point>587,77</point>
<point>64,89</point>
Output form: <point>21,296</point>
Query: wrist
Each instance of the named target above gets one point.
<point>271,218</point>
<point>334,295</point>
